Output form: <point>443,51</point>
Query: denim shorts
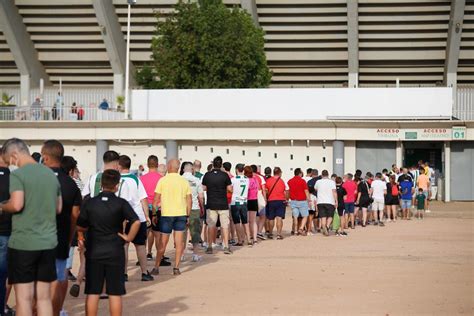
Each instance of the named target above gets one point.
<point>61,269</point>
<point>406,204</point>
<point>349,208</point>
<point>299,208</point>
<point>172,223</point>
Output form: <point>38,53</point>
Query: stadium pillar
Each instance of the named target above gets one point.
<point>353,42</point>
<point>171,150</point>
<point>101,147</point>
<point>24,90</point>
<point>453,45</point>
<point>338,157</point>
<point>399,154</point>
<point>447,171</point>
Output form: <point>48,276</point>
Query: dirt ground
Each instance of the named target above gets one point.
<point>405,268</point>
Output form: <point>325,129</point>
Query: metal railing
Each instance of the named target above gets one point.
<point>59,114</point>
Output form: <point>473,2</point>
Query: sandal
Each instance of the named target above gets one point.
<point>270,236</point>
<point>279,237</point>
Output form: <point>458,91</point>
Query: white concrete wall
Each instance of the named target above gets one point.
<point>85,152</point>
<point>291,104</point>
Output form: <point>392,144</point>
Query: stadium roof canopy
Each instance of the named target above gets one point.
<point>309,43</point>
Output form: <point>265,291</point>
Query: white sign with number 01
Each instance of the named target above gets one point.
<point>458,132</point>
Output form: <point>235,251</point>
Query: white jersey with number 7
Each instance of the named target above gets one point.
<point>240,193</point>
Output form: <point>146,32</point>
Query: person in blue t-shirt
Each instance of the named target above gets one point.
<point>407,191</point>
<point>104,105</point>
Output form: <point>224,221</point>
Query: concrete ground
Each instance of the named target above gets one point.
<point>405,268</point>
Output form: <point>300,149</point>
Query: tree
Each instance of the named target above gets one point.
<point>206,45</point>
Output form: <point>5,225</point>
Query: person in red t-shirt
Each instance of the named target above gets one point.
<point>299,196</point>
<point>351,188</point>
<point>277,197</point>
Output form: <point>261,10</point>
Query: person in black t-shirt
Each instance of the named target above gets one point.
<point>102,217</point>
<point>363,199</point>
<point>313,219</point>
<point>5,231</point>
<point>341,192</point>
<point>52,153</point>
<point>217,183</point>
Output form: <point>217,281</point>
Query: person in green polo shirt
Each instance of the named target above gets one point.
<point>35,200</point>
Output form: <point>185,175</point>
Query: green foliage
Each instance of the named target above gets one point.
<point>6,99</point>
<point>120,100</point>
<point>206,45</point>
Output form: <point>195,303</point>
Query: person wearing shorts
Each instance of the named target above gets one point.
<point>132,190</point>
<point>174,195</point>
<point>102,217</point>
<point>217,184</point>
<point>195,222</point>
<point>392,200</point>
<point>378,192</point>
<point>238,205</point>
<point>52,153</point>
<point>149,181</point>
<point>363,198</point>
<point>351,188</point>
<point>35,200</point>
<point>277,196</point>
<point>327,200</point>
<point>341,193</point>
<point>252,202</point>
<point>424,184</point>
<point>406,187</point>
<point>299,202</point>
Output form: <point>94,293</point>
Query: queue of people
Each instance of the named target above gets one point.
<point>46,212</point>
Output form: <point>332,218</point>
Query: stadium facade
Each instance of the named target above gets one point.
<point>78,47</point>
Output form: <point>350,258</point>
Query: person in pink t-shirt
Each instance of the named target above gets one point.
<point>252,202</point>
<point>150,180</point>
<point>351,188</point>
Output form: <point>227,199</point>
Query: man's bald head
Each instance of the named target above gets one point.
<point>173,166</point>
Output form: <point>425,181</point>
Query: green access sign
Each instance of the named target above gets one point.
<point>411,135</point>
<point>458,132</point>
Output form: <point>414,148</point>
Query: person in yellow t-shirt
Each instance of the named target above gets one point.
<point>174,196</point>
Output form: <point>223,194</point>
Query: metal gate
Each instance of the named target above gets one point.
<point>462,171</point>
<point>374,156</point>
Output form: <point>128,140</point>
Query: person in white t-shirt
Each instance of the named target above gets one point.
<point>327,200</point>
<point>238,205</point>
<point>378,190</point>
<point>93,185</point>
<point>132,190</point>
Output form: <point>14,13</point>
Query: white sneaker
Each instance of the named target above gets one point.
<point>196,258</point>
<point>204,245</point>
